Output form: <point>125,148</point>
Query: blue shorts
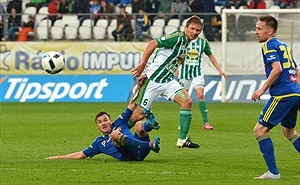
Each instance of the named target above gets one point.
<point>135,154</point>
<point>280,109</point>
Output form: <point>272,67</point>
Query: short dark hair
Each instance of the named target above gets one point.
<point>100,114</point>
<point>270,21</point>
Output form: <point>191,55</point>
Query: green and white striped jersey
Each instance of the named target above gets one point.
<point>193,58</point>
<point>168,57</point>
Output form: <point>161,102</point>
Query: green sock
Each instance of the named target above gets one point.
<point>185,123</point>
<point>203,110</point>
<point>130,125</point>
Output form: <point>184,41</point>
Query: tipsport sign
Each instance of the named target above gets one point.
<point>113,88</point>
<point>65,88</point>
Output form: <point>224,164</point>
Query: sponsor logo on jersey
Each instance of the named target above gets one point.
<point>193,53</point>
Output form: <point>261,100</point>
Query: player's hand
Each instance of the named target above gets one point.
<point>176,72</point>
<point>138,70</point>
<point>141,79</point>
<point>223,74</point>
<point>257,94</point>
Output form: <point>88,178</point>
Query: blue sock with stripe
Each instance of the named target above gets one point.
<point>295,140</point>
<point>267,149</point>
<point>146,126</point>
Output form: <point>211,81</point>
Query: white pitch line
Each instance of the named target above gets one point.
<point>115,171</point>
<point>121,171</point>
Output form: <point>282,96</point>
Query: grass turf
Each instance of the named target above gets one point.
<point>229,154</point>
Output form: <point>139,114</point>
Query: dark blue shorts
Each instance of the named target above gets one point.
<point>135,154</point>
<point>280,109</point>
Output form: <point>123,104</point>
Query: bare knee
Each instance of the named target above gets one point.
<point>184,100</point>
<point>139,129</point>
<point>187,103</point>
<point>200,96</point>
<point>200,93</point>
<point>288,132</point>
<point>138,126</point>
<point>260,130</point>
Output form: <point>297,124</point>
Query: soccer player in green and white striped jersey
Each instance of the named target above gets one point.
<point>192,73</point>
<point>169,52</point>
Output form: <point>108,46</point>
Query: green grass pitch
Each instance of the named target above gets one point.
<point>229,154</point>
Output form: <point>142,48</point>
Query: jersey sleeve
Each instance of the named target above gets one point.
<point>207,48</point>
<point>92,150</point>
<point>168,41</point>
<point>270,52</point>
<point>123,118</point>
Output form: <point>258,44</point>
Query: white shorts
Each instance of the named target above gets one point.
<point>151,90</point>
<point>197,82</point>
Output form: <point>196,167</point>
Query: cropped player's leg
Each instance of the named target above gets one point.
<point>144,99</point>
<point>140,131</point>
<point>267,149</point>
<point>293,137</point>
<point>135,117</point>
<point>203,108</point>
<point>151,122</point>
<point>288,125</point>
<point>120,139</point>
<point>142,135</point>
<point>135,143</point>
<point>141,113</point>
<point>184,100</point>
<point>199,83</point>
<point>296,141</point>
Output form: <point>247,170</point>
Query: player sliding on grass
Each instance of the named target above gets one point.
<point>160,76</point>
<point>117,140</point>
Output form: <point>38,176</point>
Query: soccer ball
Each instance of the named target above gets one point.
<point>53,62</point>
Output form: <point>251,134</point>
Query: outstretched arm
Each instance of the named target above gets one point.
<point>75,155</point>
<point>152,45</point>
<point>214,61</point>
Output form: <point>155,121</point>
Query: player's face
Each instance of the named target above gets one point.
<point>192,31</point>
<point>262,32</point>
<point>104,124</point>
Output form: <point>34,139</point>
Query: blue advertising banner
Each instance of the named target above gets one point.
<point>113,88</point>
<point>65,88</point>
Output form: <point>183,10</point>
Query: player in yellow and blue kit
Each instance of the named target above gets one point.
<point>117,140</point>
<point>282,76</point>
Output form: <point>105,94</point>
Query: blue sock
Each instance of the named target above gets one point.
<point>295,140</point>
<point>135,143</point>
<point>146,126</point>
<point>267,149</point>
